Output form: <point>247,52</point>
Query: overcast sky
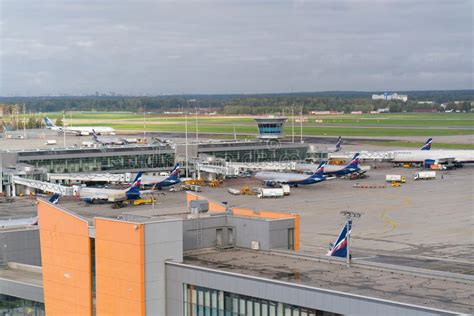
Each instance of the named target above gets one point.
<point>254,46</point>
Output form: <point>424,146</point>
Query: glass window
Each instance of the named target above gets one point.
<point>249,308</point>
<point>256,308</point>
<point>264,308</point>
<point>242,306</point>
<point>200,301</point>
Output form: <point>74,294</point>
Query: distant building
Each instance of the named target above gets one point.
<point>325,112</point>
<point>428,110</point>
<point>425,102</point>
<point>390,96</point>
<point>356,112</point>
<point>270,127</point>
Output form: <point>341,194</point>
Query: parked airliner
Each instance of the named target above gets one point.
<point>79,130</point>
<point>292,179</point>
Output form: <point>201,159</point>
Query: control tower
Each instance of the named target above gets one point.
<point>271,127</point>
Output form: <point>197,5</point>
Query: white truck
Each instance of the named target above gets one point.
<point>424,175</point>
<point>50,142</point>
<point>270,192</point>
<point>395,178</point>
<point>88,144</point>
<point>286,189</point>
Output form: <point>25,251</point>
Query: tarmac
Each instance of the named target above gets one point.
<point>424,224</point>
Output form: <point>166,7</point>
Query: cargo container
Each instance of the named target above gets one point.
<point>270,192</point>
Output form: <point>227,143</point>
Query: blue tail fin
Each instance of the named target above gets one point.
<point>48,122</point>
<point>94,136</point>
<point>137,181</point>
<point>174,174</point>
<point>338,144</point>
<point>134,191</point>
<point>54,199</point>
<point>427,145</point>
<point>354,162</point>
<point>320,171</point>
<point>339,248</point>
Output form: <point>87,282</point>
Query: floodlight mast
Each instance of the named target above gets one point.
<point>349,215</point>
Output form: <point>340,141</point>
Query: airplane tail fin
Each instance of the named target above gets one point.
<point>174,174</point>
<point>137,181</point>
<point>427,145</point>
<point>94,136</point>
<point>320,171</point>
<point>339,248</point>
<point>54,199</point>
<point>133,191</point>
<point>49,123</point>
<point>354,162</point>
<point>339,144</point>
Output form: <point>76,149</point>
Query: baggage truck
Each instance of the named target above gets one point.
<point>270,192</point>
<point>395,178</point>
<point>424,175</point>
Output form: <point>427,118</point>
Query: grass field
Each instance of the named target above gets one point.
<point>405,124</point>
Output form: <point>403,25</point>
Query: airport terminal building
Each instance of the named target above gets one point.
<point>37,164</point>
<point>202,259</point>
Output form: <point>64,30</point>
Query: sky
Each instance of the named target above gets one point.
<point>139,47</point>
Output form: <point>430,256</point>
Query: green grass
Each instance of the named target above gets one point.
<point>399,124</point>
<point>460,120</point>
<point>330,131</point>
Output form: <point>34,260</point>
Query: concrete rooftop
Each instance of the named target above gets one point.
<point>422,289</point>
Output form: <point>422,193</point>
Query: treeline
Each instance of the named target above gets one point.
<point>245,104</point>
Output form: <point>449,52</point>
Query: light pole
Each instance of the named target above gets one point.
<point>292,123</point>
<point>64,129</point>
<point>197,129</point>
<point>349,215</point>
<point>186,140</point>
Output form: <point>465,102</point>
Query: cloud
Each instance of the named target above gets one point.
<point>167,47</point>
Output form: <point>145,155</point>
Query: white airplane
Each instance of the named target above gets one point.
<point>378,155</point>
<point>79,130</point>
<point>459,156</point>
<point>30,221</point>
<point>292,179</point>
<point>90,195</point>
<point>20,222</point>
<point>107,140</point>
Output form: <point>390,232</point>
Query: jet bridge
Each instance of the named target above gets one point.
<point>40,185</point>
<point>90,177</point>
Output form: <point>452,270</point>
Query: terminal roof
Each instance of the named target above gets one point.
<point>377,282</point>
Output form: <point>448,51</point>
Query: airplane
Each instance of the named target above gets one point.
<point>107,141</point>
<point>338,144</point>
<point>90,195</point>
<point>80,130</point>
<point>30,221</point>
<point>339,248</point>
<point>292,179</point>
<point>159,182</point>
<point>459,156</point>
<point>335,170</point>
<point>386,155</point>
<point>427,145</point>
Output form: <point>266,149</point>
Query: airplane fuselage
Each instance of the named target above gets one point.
<point>287,178</point>
<point>461,156</point>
